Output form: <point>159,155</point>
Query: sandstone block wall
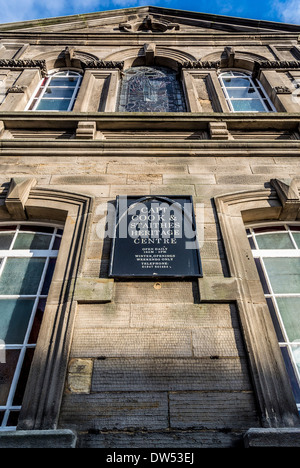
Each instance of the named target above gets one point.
<point>156,366</point>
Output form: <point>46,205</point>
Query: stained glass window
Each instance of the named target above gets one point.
<point>151,89</point>
<point>27,259</point>
<point>276,251</point>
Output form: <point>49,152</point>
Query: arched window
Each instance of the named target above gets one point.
<point>57,92</point>
<point>151,89</point>
<point>276,250</point>
<point>27,259</point>
<point>244,93</point>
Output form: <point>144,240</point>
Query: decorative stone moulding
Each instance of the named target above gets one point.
<point>282,90</point>
<point>199,64</point>
<point>16,89</point>
<point>274,64</point>
<point>227,59</point>
<point>11,63</point>
<point>148,24</point>
<point>103,64</point>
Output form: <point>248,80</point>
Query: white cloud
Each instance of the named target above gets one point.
<point>23,10</point>
<point>288,11</point>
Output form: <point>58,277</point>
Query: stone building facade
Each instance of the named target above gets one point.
<point>149,102</point>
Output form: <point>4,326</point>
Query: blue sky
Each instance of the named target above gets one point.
<point>287,11</point>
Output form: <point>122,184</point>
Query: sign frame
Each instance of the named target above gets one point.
<point>153,276</point>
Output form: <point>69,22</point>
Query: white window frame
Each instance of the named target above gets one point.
<point>66,73</point>
<point>278,253</point>
<point>252,84</point>
<point>10,253</point>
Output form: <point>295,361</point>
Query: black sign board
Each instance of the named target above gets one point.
<point>155,237</point>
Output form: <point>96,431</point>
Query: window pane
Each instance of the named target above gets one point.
<point>5,240</point>
<point>48,277</point>
<point>254,105</point>
<point>289,308</point>
<point>242,93</point>
<point>18,397</point>
<point>274,241</point>
<point>37,322</point>
<point>56,243</point>
<point>31,241</point>
<point>8,228</point>
<point>284,274</point>
<point>54,104</point>
<point>236,82</point>
<point>28,227</point>
<point>21,276</point>
<point>14,318</point>
<point>269,229</point>
<point>296,355</point>
<point>275,320</point>
<point>59,93</point>
<point>262,276</point>
<point>291,372</point>
<point>13,418</point>
<point>64,81</point>
<point>7,371</point>
<point>251,242</point>
<point>296,236</point>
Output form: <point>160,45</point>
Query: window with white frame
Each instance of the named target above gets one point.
<point>56,92</point>
<point>27,260</point>
<point>244,93</point>
<point>276,250</point>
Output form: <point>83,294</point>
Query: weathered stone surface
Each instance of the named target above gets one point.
<point>94,290</point>
<point>206,410</point>
<point>80,375</point>
<point>283,437</point>
<point>60,438</point>
<point>120,410</point>
<point>169,374</point>
<point>144,292</point>
<point>161,440</point>
<point>113,342</point>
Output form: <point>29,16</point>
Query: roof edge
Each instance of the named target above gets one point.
<point>211,17</point>
<point>223,18</point>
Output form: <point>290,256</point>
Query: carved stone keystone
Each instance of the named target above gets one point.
<point>288,193</point>
<point>17,196</point>
<point>227,57</point>
<point>149,50</point>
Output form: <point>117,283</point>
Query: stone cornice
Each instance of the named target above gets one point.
<point>173,119</point>
<point>99,123</point>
